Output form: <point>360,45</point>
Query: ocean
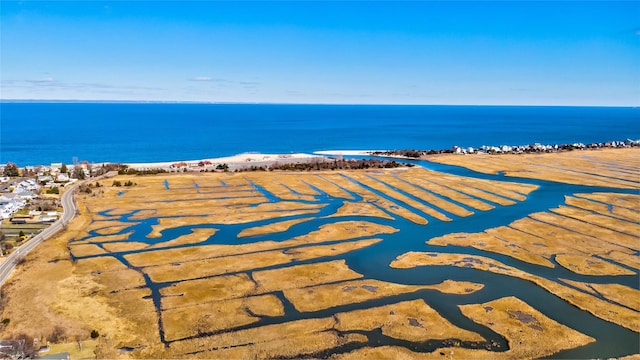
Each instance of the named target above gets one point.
<point>38,133</point>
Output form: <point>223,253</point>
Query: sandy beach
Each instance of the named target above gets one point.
<point>238,161</point>
<point>346,152</point>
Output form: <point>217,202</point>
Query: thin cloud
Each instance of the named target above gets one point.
<point>52,84</point>
<point>223,81</point>
<point>109,86</point>
<point>250,85</point>
<point>43,80</point>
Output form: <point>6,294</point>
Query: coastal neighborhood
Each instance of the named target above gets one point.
<point>510,149</point>
<point>30,199</point>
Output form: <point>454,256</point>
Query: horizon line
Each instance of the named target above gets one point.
<point>282,103</point>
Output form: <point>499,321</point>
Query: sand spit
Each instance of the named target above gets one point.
<point>239,161</point>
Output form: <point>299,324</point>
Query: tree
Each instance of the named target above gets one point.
<point>94,334</point>
<point>64,169</point>
<point>11,170</point>
<point>78,172</point>
<point>223,167</point>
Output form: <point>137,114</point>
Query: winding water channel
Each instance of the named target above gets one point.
<point>373,262</point>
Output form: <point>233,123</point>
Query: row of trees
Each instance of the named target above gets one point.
<point>126,171</point>
<point>320,165</point>
<point>416,154</point>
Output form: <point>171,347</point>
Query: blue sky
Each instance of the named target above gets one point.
<point>419,52</point>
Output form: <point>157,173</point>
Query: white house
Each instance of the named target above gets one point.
<point>24,194</point>
<point>29,184</point>
<point>9,204</point>
<point>44,179</point>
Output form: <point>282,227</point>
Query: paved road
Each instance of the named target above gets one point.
<point>5,187</point>
<point>68,212</point>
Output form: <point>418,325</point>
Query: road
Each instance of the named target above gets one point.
<point>5,187</point>
<point>68,212</point>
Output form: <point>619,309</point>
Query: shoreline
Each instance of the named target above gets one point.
<point>237,161</point>
<point>245,160</point>
<point>347,152</point>
<point>261,161</point>
<point>250,159</point>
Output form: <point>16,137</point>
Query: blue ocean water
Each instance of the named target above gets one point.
<point>34,133</point>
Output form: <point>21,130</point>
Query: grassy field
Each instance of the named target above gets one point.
<point>12,230</point>
<point>605,167</point>
<point>12,233</point>
<point>263,265</point>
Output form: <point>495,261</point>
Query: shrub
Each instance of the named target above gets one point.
<point>57,335</point>
<point>94,334</point>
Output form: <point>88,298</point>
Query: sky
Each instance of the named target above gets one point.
<point>363,52</point>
